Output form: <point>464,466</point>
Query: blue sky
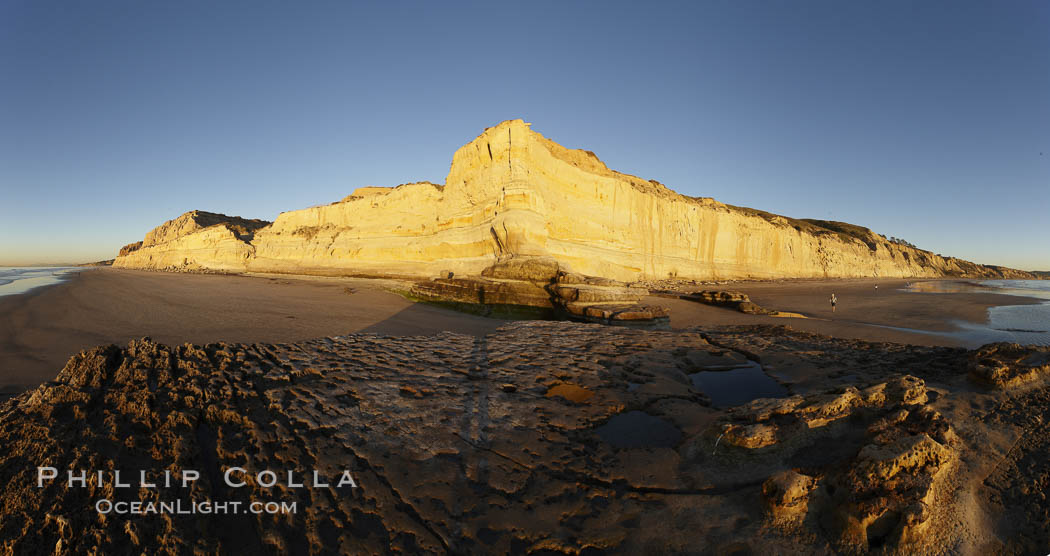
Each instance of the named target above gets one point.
<point>928,121</point>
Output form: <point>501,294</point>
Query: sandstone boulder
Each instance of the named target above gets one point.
<point>1005,365</point>
<point>732,299</point>
<point>787,496</point>
<point>542,270</point>
<point>717,297</point>
<point>539,282</point>
<point>605,301</point>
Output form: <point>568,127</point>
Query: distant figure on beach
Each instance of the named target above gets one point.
<point>834,300</point>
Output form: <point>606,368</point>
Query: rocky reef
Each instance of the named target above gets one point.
<point>539,282</point>
<point>544,437</point>
<point>514,193</point>
<point>883,495</point>
<point>736,300</point>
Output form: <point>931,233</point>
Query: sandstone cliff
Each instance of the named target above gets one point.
<point>513,193</point>
<point>197,240</point>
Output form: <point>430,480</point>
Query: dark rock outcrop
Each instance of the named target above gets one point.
<point>604,301</point>
<point>733,299</point>
<point>540,282</point>
<point>130,248</point>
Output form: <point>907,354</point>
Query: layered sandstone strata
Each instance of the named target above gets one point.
<point>197,240</point>
<point>539,282</point>
<point>736,300</point>
<point>512,192</point>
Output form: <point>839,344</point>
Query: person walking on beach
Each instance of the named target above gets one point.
<point>834,300</point>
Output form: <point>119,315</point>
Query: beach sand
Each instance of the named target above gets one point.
<point>41,330</point>
<point>888,314</point>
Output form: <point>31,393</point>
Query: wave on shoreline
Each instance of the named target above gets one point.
<point>1021,324</point>
<point>16,280</point>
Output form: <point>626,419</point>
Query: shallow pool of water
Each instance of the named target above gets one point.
<point>737,386</point>
<point>637,429</point>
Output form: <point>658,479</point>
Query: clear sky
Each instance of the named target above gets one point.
<point>928,121</point>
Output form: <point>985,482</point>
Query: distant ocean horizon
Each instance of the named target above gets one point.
<point>21,279</point>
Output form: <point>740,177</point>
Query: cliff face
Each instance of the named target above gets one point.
<point>196,240</point>
<point>512,192</point>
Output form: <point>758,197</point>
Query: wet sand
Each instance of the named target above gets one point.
<point>40,330</point>
<point>863,312</point>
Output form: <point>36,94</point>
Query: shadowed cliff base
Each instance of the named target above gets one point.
<point>541,437</point>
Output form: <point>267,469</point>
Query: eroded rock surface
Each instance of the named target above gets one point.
<point>540,282</point>
<point>812,362</point>
<point>520,281</point>
<point>542,437</point>
<point>733,299</point>
<point>129,248</point>
<point>870,461</point>
<point>458,443</point>
<point>1017,487</point>
<point>604,301</point>
<point>1004,365</point>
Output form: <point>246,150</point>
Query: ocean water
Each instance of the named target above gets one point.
<point>15,280</point>
<point>1022,324</point>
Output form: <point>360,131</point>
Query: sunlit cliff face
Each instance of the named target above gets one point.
<point>512,192</point>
